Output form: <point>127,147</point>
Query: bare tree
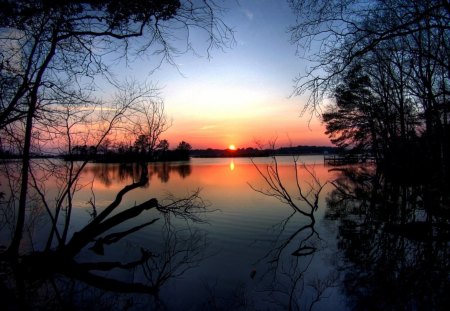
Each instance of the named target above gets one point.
<point>57,255</point>
<point>150,122</point>
<point>339,32</point>
<point>180,250</point>
<point>52,51</point>
<point>403,49</point>
<point>276,187</point>
<point>290,256</point>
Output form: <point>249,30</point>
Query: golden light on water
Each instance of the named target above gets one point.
<point>232,165</point>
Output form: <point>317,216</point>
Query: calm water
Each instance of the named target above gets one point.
<point>250,250</point>
<point>243,229</point>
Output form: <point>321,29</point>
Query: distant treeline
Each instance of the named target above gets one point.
<point>7,155</point>
<point>253,152</point>
<point>130,156</point>
<point>181,153</point>
<point>141,151</point>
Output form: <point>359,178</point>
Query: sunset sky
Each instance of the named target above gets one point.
<point>240,95</point>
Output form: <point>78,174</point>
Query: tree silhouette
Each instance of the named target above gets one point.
<point>51,55</point>
<point>291,254</point>
<point>53,51</point>
<point>182,151</point>
<point>395,251</point>
<point>402,49</point>
<point>142,144</point>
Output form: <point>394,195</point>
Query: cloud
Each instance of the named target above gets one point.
<point>249,14</point>
<point>207,127</point>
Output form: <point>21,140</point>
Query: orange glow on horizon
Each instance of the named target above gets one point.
<point>246,130</point>
<point>232,147</point>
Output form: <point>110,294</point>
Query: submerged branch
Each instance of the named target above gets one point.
<point>81,238</point>
<point>277,188</point>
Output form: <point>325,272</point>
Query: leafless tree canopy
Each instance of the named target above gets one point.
<point>334,33</point>
<point>52,50</point>
<point>293,249</point>
<point>51,53</point>
<point>385,65</point>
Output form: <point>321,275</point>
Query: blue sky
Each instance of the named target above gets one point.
<point>241,94</point>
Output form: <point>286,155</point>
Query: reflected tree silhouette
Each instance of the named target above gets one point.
<point>108,173</point>
<point>54,56</point>
<point>83,255</point>
<point>293,248</point>
<point>184,170</point>
<point>395,242</point>
<point>163,170</point>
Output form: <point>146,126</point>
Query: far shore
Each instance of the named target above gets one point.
<point>114,157</point>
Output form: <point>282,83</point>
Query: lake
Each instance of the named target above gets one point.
<point>247,247</point>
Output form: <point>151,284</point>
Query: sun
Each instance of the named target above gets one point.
<point>232,147</point>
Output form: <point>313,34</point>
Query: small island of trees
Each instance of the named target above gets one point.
<point>140,151</point>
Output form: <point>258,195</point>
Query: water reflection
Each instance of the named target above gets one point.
<point>232,165</point>
<point>360,242</point>
<point>395,238</point>
<point>296,241</point>
<point>84,257</point>
<point>110,173</point>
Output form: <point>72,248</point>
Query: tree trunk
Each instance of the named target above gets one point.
<point>14,247</point>
<point>15,243</point>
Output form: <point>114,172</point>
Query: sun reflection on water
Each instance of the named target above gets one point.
<point>232,165</point>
